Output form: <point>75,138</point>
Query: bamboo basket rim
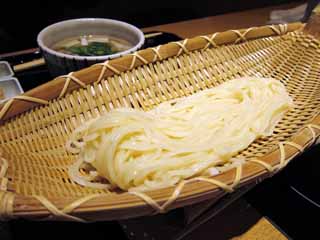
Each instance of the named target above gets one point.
<point>16,205</point>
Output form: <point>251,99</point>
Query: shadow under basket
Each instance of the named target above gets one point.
<point>34,181</point>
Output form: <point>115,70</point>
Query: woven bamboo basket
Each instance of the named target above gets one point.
<point>34,182</point>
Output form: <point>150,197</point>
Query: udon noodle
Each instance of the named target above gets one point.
<point>191,136</point>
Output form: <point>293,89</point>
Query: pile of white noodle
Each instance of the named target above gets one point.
<point>180,139</point>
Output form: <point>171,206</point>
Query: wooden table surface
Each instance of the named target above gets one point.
<point>239,221</point>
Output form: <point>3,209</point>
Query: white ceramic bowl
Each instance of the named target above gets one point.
<point>5,70</point>
<point>61,63</point>
<point>11,88</point>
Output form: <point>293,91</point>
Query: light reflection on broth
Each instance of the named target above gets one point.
<point>91,45</point>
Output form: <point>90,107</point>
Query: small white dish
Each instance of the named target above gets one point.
<point>5,70</point>
<point>11,88</point>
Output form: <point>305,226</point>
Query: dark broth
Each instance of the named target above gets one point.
<point>91,45</point>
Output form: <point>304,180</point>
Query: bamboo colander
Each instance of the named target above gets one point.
<point>35,126</point>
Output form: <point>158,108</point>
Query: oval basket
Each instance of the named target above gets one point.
<point>35,126</point>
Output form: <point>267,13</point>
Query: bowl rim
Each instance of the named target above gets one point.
<point>17,84</point>
<point>6,63</point>
<point>45,48</point>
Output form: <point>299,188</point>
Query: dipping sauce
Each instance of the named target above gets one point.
<point>91,45</point>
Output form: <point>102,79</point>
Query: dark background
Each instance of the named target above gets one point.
<point>20,21</point>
